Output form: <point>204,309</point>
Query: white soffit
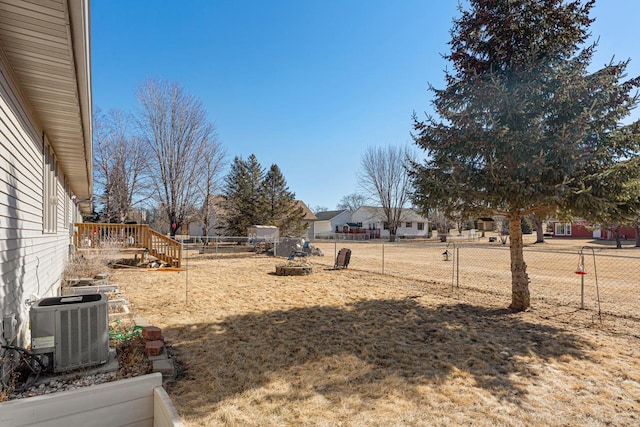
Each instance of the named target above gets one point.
<point>47,45</point>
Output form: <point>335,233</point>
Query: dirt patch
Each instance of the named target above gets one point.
<point>353,347</point>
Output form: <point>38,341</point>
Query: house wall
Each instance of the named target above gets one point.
<point>374,216</point>
<point>626,233</point>
<point>339,220</point>
<point>319,228</point>
<point>196,229</point>
<point>579,231</point>
<point>325,227</point>
<point>583,231</point>
<point>31,261</point>
<point>413,231</point>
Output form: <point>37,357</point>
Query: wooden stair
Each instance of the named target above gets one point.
<point>128,236</point>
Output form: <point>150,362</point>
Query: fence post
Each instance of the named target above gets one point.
<point>582,291</point>
<point>186,276</point>
<point>581,279</point>
<point>458,267</point>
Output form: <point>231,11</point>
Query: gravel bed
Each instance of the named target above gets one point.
<point>55,385</point>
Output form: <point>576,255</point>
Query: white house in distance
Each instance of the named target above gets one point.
<point>367,222</point>
<point>411,225</point>
<point>45,148</point>
<point>327,223</point>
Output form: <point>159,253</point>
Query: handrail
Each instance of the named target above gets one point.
<point>164,248</point>
<point>120,236</point>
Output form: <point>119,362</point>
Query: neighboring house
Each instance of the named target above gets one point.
<point>582,229</point>
<point>196,227</point>
<point>45,147</point>
<point>327,223</point>
<point>626,233</point>
<point>307,220</point>
<point>575,229</point>
<point>412,224</point>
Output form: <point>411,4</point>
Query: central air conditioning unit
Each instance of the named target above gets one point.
<point>71,331</point>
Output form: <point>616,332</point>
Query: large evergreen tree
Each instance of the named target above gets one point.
<point>280,204</point>
<point>242,195</point>
<point>255,198</point>
<point>523,126</point>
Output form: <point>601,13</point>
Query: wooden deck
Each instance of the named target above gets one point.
<point>141,237</point>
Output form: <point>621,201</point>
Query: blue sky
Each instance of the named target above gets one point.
<point>307,85</point>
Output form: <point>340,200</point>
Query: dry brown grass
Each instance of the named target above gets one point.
<point>354,348</point>
<point>551,268</point>
<point>88,263</point>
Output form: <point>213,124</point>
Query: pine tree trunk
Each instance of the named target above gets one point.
<point>520,299</point>
<point>637,236</point>
<point>618,241</point>
<point>537,222</point>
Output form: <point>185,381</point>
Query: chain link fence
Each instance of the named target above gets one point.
<point>611,283</point>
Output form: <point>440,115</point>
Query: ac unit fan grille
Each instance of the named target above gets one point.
<point>77,334</point>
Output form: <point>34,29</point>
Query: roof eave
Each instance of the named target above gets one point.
<point>80,20</point>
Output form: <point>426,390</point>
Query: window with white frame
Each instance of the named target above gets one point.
<point>563,229</point>
<point>421,226</point>
<point>385,225</point>
<point>50,193</point>
<point>409,225</point>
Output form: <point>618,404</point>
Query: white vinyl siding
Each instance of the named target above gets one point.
<point>374,218</point>
<point>324,228</point>
<point>32,261</point>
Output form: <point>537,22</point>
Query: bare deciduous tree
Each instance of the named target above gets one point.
<point>120,160</point>
<point>383,175</point>
<point>352,202</point>
<point>174,124</point>
<point>319,208</point>
<point>441,221</point>
<point>209,182</point>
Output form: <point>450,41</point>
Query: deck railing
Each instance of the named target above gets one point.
<point>121,236</point>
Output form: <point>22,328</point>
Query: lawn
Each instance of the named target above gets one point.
<point>358,348</point>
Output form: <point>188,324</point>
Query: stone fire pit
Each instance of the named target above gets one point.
<point>294,268</point>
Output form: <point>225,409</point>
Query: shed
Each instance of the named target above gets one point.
<point>486,224</point>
